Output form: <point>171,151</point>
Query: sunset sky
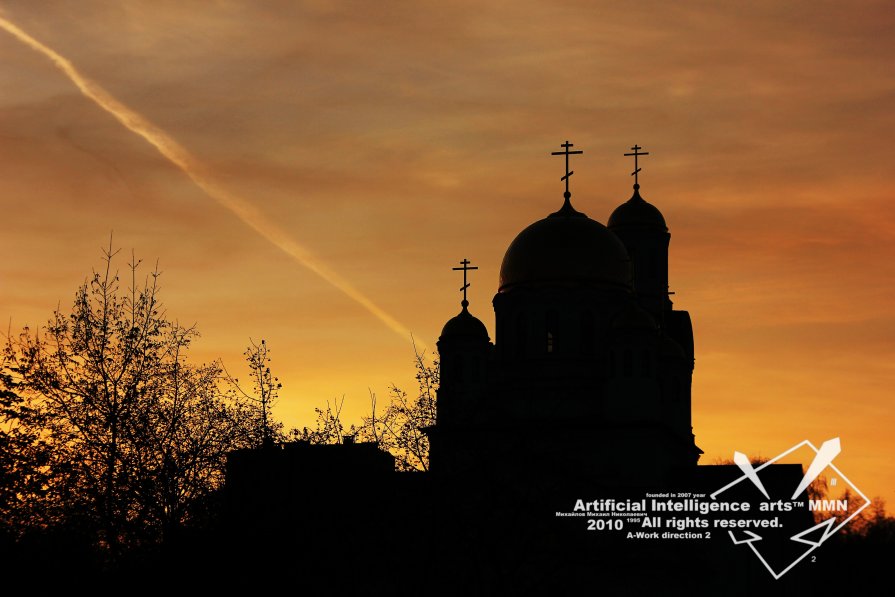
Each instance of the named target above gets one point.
<point>385,141</point>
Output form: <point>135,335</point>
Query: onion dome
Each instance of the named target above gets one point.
<point>465,326</point>
<point>636,212</point>
<point>566,248</point>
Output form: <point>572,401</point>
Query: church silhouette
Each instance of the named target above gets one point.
<point>590,359</point>
<point>585,392</point>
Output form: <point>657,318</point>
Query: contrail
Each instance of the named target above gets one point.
<point>183,159</point>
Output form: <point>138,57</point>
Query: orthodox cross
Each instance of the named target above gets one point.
<point>636,154</point>
<point>465,263</point>
<point>569,173</point>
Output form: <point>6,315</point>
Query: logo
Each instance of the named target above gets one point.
<point>780,551</point>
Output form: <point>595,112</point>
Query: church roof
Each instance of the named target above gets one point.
<point>465,325</point>
<point>566,247</point>
<point>636,212</point>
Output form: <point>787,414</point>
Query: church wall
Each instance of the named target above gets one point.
<point>648,249</point>
<point>576,319</point>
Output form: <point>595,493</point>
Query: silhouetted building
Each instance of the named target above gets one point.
<point>584,393</point>
<point>590,371</point>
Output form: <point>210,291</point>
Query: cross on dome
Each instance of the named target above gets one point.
<point>637,153</point>
<point>465,263</point>
<point>569,173</point>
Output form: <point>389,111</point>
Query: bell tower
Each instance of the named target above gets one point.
<point>463,349</point>
<point>642,229</point>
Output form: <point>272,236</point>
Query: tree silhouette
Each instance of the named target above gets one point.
<point>400,428</point>
<point>265,389</point>
<point>24,456</point>
<point>138,435</point>
<point>328,428</point>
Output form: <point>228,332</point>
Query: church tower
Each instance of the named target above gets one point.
<point>642,229</point>
<point>464,350</point>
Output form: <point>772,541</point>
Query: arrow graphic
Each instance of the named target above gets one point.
<point>742,461</point>
<point>812,537</point>
<point>827,531</point>
<point>825,455</point>
<point>752,537</point>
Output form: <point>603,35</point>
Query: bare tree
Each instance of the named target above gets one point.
<point>400,428</point>
<point>265,389</point>
<point>329,428</point>
<point>138,433</point>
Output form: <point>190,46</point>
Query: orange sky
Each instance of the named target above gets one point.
<point>393,139</point>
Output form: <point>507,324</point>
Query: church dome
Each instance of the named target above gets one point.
<point>465,326</point>
<point>566,247</point>
<point>636,212</point>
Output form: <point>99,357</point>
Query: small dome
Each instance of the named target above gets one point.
<point>634,317</point>
<point>637,212</point>
<point>566,247</point>
<point>466,326</point>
